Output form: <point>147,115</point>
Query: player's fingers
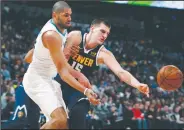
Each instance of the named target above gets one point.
<point>68,50</point>
<point>97,101</point>
<point>89,86</point>
<point>146,92</point>
<point>94,101</point>
<point>91,101</point>
<point>77,46</point>
<point>93,94</point>
<point>145,88</point>
<point>74,52</point>
<point>74,47</point>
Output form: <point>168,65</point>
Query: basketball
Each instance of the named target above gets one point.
<point>170,78</point>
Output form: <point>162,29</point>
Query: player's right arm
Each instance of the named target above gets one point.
<point>107,58</point>
<point>52,41</point>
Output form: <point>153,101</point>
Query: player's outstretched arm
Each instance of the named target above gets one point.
<point>52,41</point>
<point>106,57</point>
<point>29,56</point>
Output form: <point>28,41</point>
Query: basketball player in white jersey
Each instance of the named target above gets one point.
<point>48,60</point>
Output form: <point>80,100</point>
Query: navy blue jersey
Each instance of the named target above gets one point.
<point>85,62</point>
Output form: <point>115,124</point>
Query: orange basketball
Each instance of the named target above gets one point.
<point>170,78</point>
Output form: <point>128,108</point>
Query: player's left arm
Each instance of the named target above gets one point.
<point>29,56</point>
<point>107,58</point>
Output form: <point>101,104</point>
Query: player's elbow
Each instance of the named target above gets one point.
<point>64,74</point>
<point>28,57</point>
<point>123,75</point>
<point>62,70</point>
<point>27,60</point>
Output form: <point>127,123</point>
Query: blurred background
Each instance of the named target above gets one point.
<point>145,36</point>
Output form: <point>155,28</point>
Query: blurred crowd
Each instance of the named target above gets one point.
<point>119,102</point>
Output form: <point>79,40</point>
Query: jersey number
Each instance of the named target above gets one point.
<point>77,66</point>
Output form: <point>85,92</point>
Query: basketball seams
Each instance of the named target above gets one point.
<point>169,73</point>
<point>174,79</point>
<point>162,77</point>
<point>177,73</point>
<point>161,80</point>
<point>171,86</point>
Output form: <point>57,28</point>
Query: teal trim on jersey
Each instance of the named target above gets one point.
<point>52,22</point>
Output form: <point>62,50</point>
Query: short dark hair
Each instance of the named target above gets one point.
<point>99,21</point>
<point>59,6</point>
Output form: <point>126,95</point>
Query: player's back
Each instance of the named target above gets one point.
<point>42,63</point>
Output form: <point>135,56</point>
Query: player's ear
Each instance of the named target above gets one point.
<point>91,28</point>
<point>54,15</point>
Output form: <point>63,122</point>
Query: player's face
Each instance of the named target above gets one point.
<point>64,18</point>
<point>100,33</point>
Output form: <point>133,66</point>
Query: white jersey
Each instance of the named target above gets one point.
<point>42,63</point>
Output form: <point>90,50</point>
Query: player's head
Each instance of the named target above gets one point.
<point>100,29</point>
<point>61,13</point>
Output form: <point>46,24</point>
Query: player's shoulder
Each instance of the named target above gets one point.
<point>50,34</point>
<point>75,36</point>
<point>105,51</point>
<point>75,33</point>
<point>51,37</point>
<point>48,26</point>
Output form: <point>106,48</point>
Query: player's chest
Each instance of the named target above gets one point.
<point>85,59</point>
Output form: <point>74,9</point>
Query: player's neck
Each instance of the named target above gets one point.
<point>62,30</point>
<point>89,43</point>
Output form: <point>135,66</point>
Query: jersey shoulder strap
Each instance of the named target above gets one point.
<point>82,41</point>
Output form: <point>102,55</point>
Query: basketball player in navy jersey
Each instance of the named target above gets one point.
<point>92,53</point>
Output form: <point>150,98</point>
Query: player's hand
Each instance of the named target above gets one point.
<point>74,50</point>
<point>143,88</point>
<point>71,51</point>
<point>84,81</point>
<point>92,97</point>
